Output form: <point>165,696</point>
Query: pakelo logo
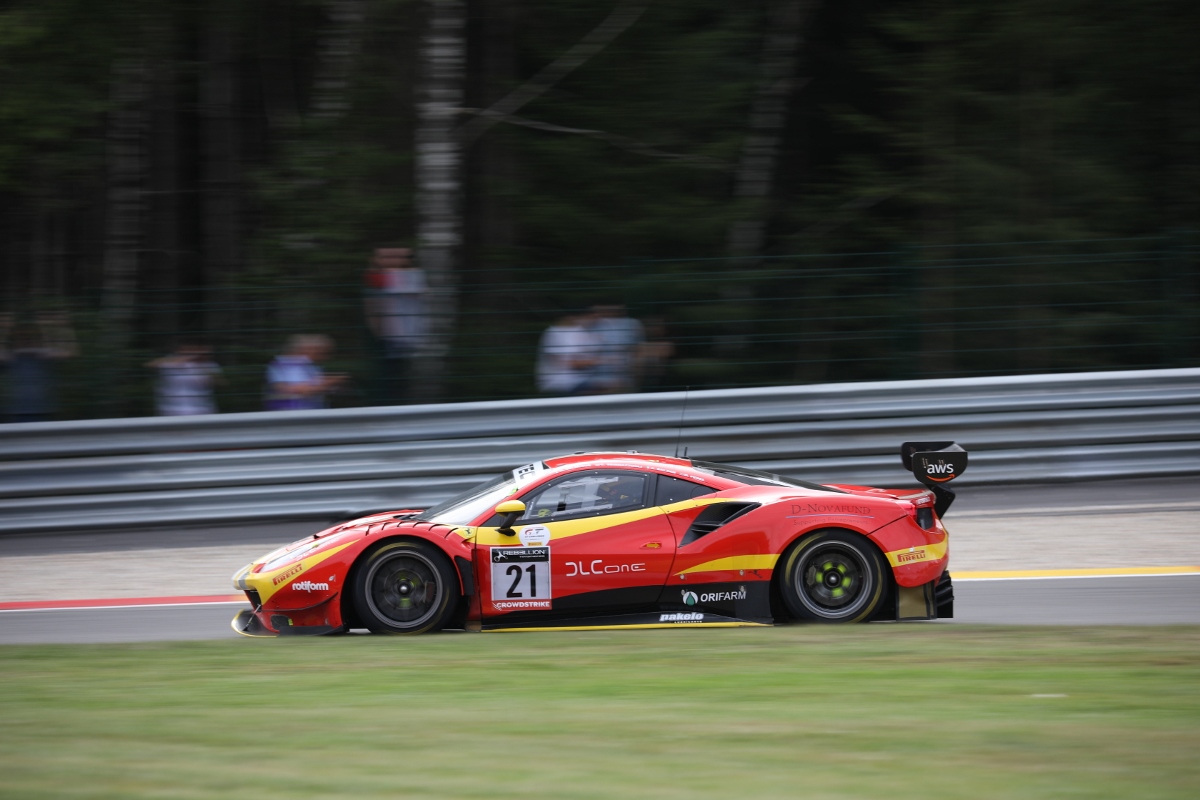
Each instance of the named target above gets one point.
<point>686,616</point>
<point>690,598</point>
<point>911,555</point>
<point>287,573</point>
<point>310,586</point>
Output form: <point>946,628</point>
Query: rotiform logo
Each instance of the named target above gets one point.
<point>310,586</point>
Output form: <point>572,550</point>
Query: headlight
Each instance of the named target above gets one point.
<point>278,558</point>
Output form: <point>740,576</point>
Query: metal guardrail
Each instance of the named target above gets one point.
<point>332,464</point>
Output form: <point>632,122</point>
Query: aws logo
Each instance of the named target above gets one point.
<point>940,471</point>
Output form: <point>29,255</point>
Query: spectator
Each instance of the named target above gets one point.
<point>567,355</point>
<point>653,356</point>
<point>185,381</point>
<point>619,338</point>
<point>397,316</point>
<point>294,379</point>
<point>28,350</point>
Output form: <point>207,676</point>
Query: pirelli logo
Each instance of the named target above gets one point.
<point>915,555</point>
<point>290,572</point>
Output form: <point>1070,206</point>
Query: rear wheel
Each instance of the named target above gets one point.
<point>833,576</point>
<point>405,587</point>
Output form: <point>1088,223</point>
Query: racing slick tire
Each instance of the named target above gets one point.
<point>405,587</point>
<point>833,576</point>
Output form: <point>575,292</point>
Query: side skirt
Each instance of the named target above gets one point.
<point>655,619</point>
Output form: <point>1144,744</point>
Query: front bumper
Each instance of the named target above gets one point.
<point>268,624</point>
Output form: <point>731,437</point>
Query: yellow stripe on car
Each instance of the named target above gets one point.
<point>918,555</point>
<point>574,527</point>
<point>764,561</point>
<point>268,583</point>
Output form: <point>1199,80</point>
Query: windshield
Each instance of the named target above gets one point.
<point>465,508</point>
<point>753,477</point>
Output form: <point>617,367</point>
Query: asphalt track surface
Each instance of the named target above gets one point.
<point>1120,600</point>
<point>1139,600</point>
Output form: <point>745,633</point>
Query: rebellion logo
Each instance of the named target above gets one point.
<point>310,586</point>
<point>288,573</point>
<point>912,555</point>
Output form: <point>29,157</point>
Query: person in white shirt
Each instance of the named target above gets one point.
<point>185,381</point>
<point>567,354</point>
<point>620,337</point>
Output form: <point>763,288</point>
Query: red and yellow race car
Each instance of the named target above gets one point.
<point>600,540</point>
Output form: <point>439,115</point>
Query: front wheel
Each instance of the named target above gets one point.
<point>833,576</point>
<point>405,587</point>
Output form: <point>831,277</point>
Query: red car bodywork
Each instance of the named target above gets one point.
<point>644,566</point>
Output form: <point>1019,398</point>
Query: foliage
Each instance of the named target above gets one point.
<point>916,131</point>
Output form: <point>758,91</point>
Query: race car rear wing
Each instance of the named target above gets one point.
<point>935,464</point>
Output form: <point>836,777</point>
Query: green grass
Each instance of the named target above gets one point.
<point>878,711</point>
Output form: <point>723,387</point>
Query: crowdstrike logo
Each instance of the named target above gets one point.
<point>310,586</point>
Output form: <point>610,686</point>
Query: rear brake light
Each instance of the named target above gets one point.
<point>925,517</point>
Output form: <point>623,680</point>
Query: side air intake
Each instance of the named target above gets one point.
<point>713,517</point>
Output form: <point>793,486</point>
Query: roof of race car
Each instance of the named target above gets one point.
<point>609,457</point>
<point>696,469</point>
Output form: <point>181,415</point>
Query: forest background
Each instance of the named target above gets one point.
<point>800,191</point>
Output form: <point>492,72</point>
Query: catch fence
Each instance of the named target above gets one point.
<point>933,312</point>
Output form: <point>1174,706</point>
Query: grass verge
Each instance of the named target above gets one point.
<point>797,711</point>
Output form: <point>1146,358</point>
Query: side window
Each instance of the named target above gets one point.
<point>672,490</point>
<point>587,494</point>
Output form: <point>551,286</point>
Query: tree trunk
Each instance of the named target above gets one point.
<point>220,151</point>
<point>340,45</point>
<point>163,262</point>
<point>125,224</point>
<point>492,167</point>
<point>1035,323</point>
<point>938,132</point>
<point>442,57</point>
<point>768,117</point>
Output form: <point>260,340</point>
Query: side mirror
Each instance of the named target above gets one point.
<point>511,509</point>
